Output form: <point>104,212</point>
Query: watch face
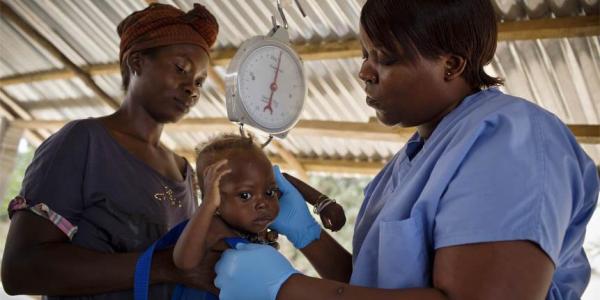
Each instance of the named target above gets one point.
<point>271,87</point>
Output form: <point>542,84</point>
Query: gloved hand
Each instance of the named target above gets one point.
<point>294,219</point>
<point>252,272</point>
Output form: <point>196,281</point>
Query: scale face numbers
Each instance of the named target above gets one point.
<point>271,87</point>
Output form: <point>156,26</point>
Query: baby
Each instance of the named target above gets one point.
<point>238,188</point>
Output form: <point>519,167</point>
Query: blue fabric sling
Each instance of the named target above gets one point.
<point>181,292</point>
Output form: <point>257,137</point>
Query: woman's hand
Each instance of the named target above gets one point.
<point>212,180</point>
<point>202,276</point>
<point>252,271</point>
<point>294,220</point>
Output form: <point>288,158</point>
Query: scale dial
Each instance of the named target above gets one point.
<point>271,87</point>
<point>265,84</point>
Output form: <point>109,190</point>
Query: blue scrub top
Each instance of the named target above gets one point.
<point>497,168</point>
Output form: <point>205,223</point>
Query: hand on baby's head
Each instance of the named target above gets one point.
<point>211,180</point>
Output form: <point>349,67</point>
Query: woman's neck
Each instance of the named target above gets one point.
<point>134,121</point>
<point>426,130</point>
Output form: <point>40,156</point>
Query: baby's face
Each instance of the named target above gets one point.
<point>249,194</point>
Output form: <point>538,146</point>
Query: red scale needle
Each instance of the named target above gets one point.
<point>273,86</point>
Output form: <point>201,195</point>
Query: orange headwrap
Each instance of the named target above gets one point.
<point>162,24</point>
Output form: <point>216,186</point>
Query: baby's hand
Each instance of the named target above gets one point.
<point>333,217</point>
<point>212,180</point>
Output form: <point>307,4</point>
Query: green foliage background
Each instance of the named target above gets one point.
<point>348,191</point>
<point>15,178</point>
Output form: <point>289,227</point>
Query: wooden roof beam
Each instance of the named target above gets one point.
<point>511,30</point>
<point>10,14</point>
<point>61,74</point>
<point>353,130</point>
<point>290,159</point>
<point>314,165</point>
<point>587,134</point>
<point>549,28</point>
<point>10,109</point>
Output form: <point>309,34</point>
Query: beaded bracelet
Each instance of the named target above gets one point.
<point>322,202</point>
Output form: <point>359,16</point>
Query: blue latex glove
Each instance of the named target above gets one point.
<point>294,219</point>
<point>252,272</point>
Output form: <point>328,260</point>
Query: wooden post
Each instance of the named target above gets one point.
<point>9,142</point>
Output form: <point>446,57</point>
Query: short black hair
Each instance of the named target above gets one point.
<point>227,141</point>
<point>208,152</point>
<point>431,28</point>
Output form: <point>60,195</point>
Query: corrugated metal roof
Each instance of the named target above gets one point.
<point>561,75</point>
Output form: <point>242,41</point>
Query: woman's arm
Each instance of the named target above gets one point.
<point>326,255</point>
<point>192,244</point>
<point>39,259</point>
<point>499,270</point>
<point>329,258</point>
<point>296,286</point>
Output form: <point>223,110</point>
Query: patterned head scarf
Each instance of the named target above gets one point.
<point>161,25</point>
